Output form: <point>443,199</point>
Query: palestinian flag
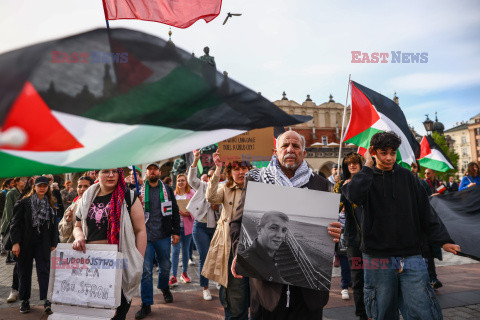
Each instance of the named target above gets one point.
<point>372,113</point>
<point>103,100</point>
<point>432,156</point>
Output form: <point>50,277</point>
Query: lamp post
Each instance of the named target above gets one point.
<point>428,124</point>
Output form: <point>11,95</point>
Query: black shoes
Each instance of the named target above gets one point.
<point>48,307</point>
<point>143,312</point>
<point>167,295</point>
<point>25,307</point>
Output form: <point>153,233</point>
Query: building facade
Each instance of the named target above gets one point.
<point>474,133</point>
<point>459,140</point>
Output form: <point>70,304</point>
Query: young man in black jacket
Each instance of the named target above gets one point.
<point>397,220</point>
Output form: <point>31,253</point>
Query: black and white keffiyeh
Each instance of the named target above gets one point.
<point>41,211</point>
<point>273,174</point>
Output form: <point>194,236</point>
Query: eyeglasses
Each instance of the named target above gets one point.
<point>109,172</point>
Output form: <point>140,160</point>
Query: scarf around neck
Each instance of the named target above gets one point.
<point>273,174</point>
<point>41,211</point>
<point>115,210</point>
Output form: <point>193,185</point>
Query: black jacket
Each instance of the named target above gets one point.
<point>171,223</point>
<point>21,228</point>
<point>453,187</point>
<point>397,216</point>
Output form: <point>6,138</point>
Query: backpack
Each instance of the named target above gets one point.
<point>128,199</point>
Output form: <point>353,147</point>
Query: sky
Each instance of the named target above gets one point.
<point>305,47</point>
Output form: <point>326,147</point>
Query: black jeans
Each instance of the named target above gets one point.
<point>41,255</point>
<point>15,282</point>
<point>122,309</point>
<point>356,267</point>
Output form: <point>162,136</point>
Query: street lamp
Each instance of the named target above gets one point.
<point>428,124</point>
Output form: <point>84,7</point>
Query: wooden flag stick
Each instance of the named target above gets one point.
<point>342,135</point>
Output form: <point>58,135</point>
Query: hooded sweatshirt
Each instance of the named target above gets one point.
<point>397,216</point>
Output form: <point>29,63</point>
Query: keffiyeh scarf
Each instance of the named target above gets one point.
<point>273,174</point>
<point>115,206</point>
<point>41,211</point>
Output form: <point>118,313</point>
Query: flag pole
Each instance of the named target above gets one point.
<point>342,135</point>
<point>105,12</point>
<point>136,181</point>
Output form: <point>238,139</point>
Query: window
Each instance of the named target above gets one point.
<point>464,139</point>
<point>464,152</point>
<point>478,142</point>
<point>324,140</point>
<point>477,131</point>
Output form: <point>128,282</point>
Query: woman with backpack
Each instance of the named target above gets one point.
<point>108,213</point>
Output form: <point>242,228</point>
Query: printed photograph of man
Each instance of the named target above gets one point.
<point>258,260</point>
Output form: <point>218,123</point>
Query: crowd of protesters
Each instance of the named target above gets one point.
<point>384,214</point>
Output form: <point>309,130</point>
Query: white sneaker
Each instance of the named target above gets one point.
<point>345,295</point>
<point>207,295</point>
<point>13,296</point>
<point>191,262</point>
<point>218,285</point>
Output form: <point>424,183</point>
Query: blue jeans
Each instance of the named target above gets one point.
<point>162,249</point>
<point>185,244</point>
<point>202,237</point>
<point>387,290</point>
<point>345,272</point>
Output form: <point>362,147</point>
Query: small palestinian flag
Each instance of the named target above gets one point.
<point>432,156</point>
<point>372,113</point>
<point>112,99</point>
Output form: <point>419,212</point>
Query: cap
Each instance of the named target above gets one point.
<point>41,180</point>
<point>152,164</point>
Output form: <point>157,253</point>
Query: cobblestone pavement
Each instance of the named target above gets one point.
<point>189,304</point>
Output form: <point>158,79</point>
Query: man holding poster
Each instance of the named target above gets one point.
<point>270,300</point>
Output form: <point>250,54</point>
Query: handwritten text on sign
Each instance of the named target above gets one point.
<point>83,279</point>
<point>254,145</point>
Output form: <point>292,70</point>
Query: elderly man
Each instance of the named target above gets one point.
<point>259,259</point>
<point>270,300</point>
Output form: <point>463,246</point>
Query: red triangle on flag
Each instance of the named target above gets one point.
<point>424,148</point>
<point>44,132</point>
<point>363,114</point>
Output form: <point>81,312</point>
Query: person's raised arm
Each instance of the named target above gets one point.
<point>192,178</point>
<point>213,194</point>
<point>138,223</point>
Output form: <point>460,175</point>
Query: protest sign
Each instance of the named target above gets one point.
<point>91,279</point>
<point>284,236</point>
<point>254,145</point>
<point>182,204</point>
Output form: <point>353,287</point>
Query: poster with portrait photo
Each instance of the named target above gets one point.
<point>284,236</point>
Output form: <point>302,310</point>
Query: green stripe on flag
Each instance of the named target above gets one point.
<point>363,139</point>
<point>18,166</point>
<point>434,164</point>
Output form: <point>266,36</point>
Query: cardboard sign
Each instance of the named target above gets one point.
<point>254,145</point>
<point>182,204</point>
<point>91,279</point>
<point>284,236</point>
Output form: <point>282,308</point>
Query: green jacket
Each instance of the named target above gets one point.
<point>12,196</point>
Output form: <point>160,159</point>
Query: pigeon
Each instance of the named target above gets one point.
<point>229,15</point>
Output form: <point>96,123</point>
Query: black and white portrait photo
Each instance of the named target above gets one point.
<point>284,236</point>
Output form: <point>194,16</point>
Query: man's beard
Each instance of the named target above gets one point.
<point>290,166</point>
<point>153,179</point>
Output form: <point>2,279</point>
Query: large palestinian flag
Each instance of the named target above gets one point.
<point>101,100</point>
<point>433,157</point>
<point>372,113</point>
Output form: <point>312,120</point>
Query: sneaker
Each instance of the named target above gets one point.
<point>143,312</point>
<point>9,260</point>
<point>436,284</point>
<point>48,307</point>
<point>345,295</point>
<point>173,281</point>
<point>13,296</point>
<point>185,278</point>
<point>157,268</point>
<point>167,295</point>
<point>207,295</point>
<point>25,307</point>
<point>218,285</point>
<point>191,262</point>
